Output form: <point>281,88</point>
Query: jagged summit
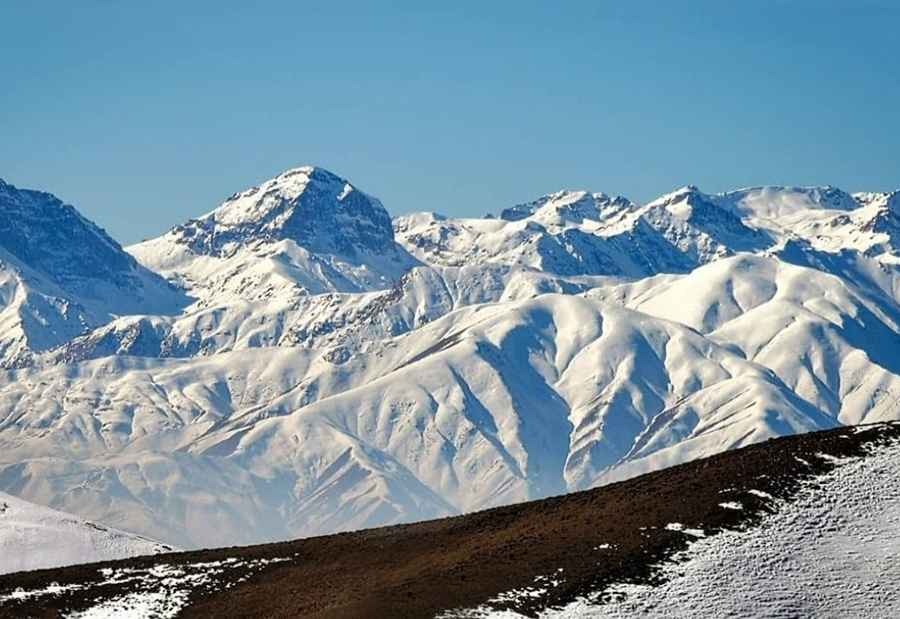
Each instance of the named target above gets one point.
<point>687,193</point>
<point>61,275</point>
<point>51,236</point>
<point>880,216</point>
<point>311,206</point>
<point>889,200</point>
<point>290,184</point>
<point>305,231</point>
<point>568,204</point>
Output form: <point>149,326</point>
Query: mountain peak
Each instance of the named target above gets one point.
<point>308,174</point>
<point>309,205</point>
<point>48,234</point>
<point>689,194</point>
<point>288,185</point>
<point>567,204</point>
<point>776,201</point>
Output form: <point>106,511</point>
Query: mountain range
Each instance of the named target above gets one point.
<point>296,362</point>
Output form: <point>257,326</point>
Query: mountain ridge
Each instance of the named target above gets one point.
<point>392,370</point>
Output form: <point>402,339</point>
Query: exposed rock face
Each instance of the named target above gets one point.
<point>61,276</point>
<point>52,237</point>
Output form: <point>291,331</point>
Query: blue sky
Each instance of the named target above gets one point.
<point>146,115</point>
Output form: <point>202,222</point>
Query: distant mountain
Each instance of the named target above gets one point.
<point>306,231</point>
<point>60,276</point>
<point>312,366</point>
<point>569,205</point>
<point>34,537</point>
<point>563,234</point>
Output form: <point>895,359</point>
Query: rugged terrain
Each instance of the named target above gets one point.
<point>297,363</point>
<point>602,552</point>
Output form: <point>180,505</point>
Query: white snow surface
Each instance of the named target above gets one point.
<point>831,552</point>
<point>35,537</point>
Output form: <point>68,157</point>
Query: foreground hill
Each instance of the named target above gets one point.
<point>813,508</point>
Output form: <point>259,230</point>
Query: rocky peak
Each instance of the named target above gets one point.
<point>701,223</point>
<point>881,200</point>
<point>831,197</point>
<point>690,204</point>
<point>313,207</point>
<point>881,213</point>
<point>689,194</point>
<point>51,236</point>
<point>568,205</point>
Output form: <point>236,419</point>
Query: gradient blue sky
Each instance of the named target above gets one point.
<point>146,115</point>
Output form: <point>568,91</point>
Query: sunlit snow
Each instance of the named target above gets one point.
<point>832,552</point>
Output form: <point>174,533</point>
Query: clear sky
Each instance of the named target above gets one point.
<point>146,114</point>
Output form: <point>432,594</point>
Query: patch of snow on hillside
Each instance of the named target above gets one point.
<point>158,592</point>
<point>158,604</point>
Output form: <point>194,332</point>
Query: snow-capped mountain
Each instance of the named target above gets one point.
<point>699,226</point>
<point>569,205</point>
<point>33,537</point>
<point>306,231</point>
<point>330,369</point>
<point>563,234</point>
<point>60,275</point>
<point>827,218</point>
<point>491,404</point>
<point>578,233</point>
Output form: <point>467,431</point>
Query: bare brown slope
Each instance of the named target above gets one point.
<point>587,540</point>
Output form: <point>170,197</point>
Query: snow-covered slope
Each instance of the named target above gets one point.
<point>828,218</point>
<point>833,341</point>
<point>316,320</point>
<point>34,537</point>
<point>490,404</point>
<point>336,370</point>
